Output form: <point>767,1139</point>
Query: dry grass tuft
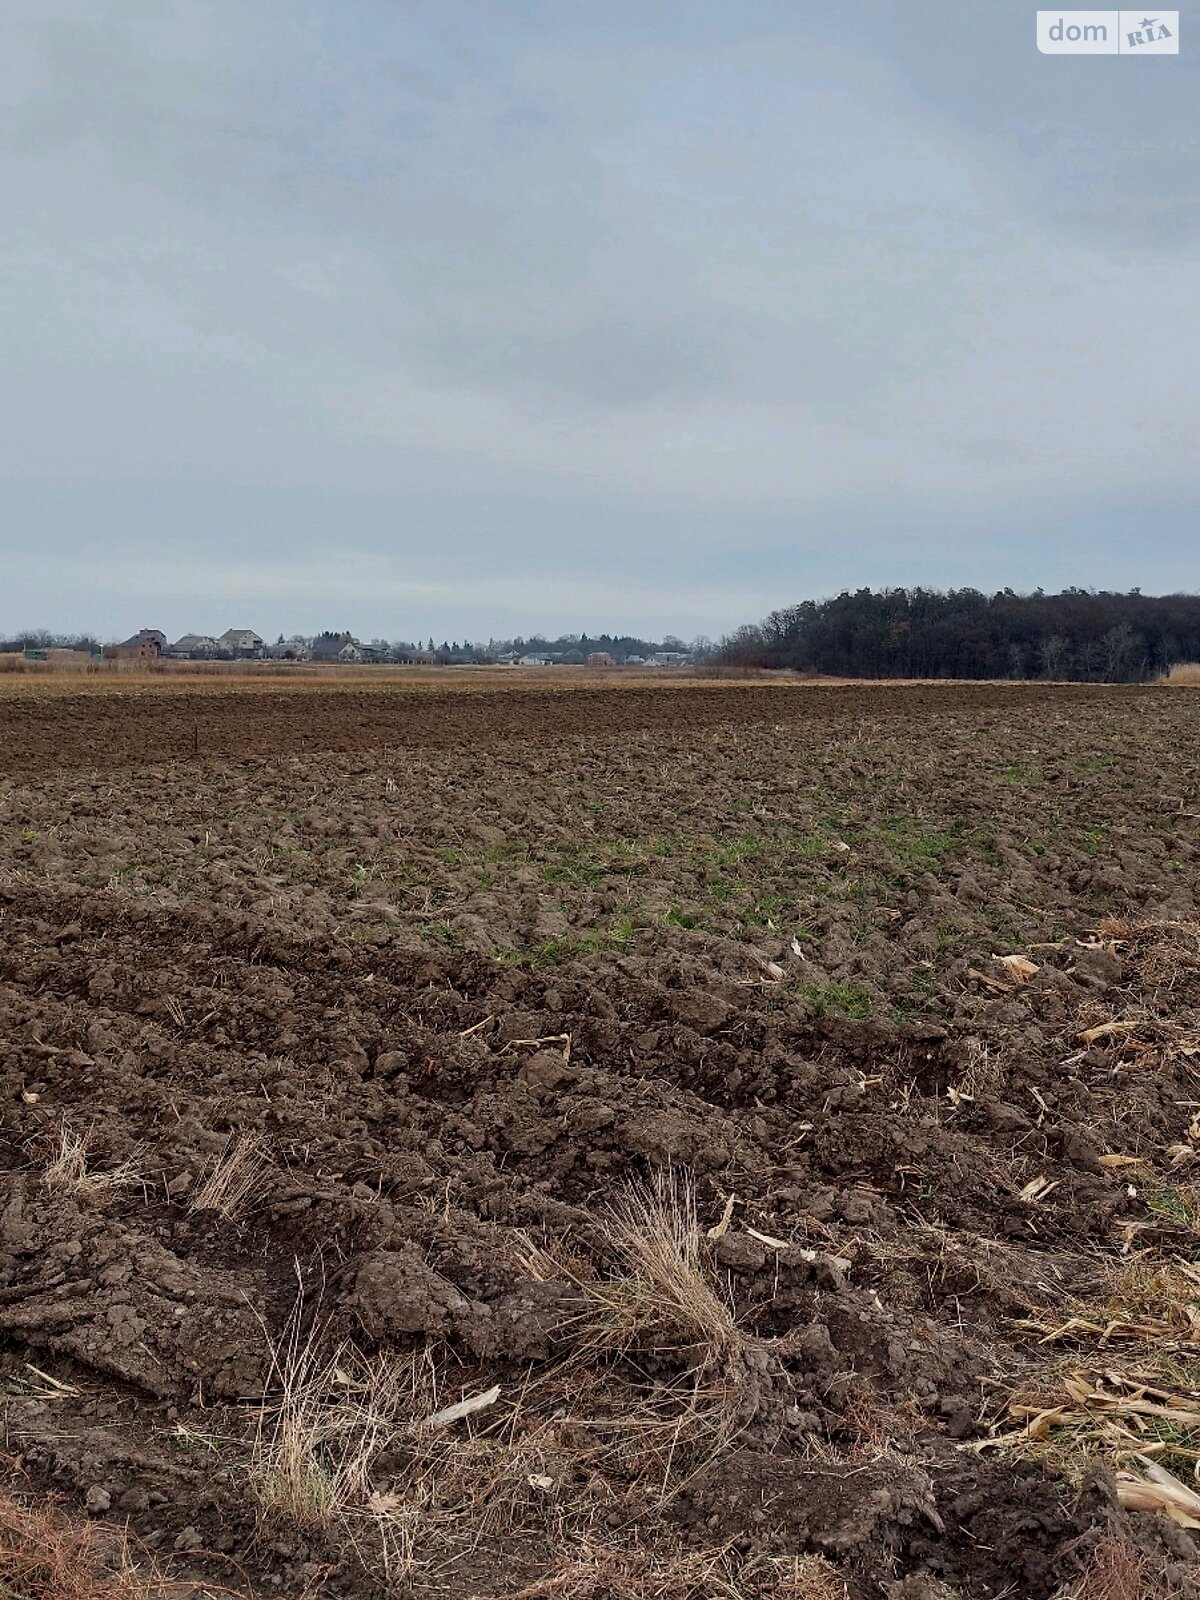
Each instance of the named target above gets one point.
<point>357,1448</point>
<point>684,1379</point>
<point>806,1578</point>
<point>593,1571</point>
<point>321,1431</point>
<point>233,1178</point>
<point>69,1170</point>
<point>46,1555</point>
<point>1186,673</point>
<point>667,1294</point>
<point>983,1070</point>
<point>1115,1571</point>
<point>318,1439</point>
<point>43,1556</point>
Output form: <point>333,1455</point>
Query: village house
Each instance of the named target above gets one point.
<point>293,649</point>
<point>145,645</point>
<point>345,647</point>
<point>329,646</point>
<point>242,643</point>
<point>194,647</point>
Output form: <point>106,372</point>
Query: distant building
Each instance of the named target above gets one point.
<point>329,646</point>
<point>145,645</point>
<point>600,658</point>
<point>242,643</point>
<point>670,658</point>
<point>533,661</point>
<point>194,647</point>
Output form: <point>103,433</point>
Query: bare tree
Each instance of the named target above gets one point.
<point>1120,646</point>
<point>1053,653</point>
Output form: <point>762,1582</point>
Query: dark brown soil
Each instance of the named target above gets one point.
<point>469,968</point>
<point>146,725</point>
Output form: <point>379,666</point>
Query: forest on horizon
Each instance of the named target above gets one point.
<point>1083,635</point>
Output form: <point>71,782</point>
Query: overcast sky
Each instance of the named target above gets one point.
<point>475,318</point>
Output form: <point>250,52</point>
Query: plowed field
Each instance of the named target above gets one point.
<point>776,1110</point>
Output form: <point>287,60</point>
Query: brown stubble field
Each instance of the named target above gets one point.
<point>779,1104</point>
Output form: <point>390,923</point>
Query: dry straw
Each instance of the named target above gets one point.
<point>233,1178</point>
<point>70,1171</point>
<point>363,1449</point>
<point>46,1555</point>
<point>595,1570</point>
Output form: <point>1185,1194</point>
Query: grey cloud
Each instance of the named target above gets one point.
<point>602,360</point>
<point>1105,147</point>
<point>429,294</point>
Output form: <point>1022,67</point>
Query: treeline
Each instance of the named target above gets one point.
<point>623,647</point>
<point>568,649</point>
<point>1084,635</point>
<point>43,639</point>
